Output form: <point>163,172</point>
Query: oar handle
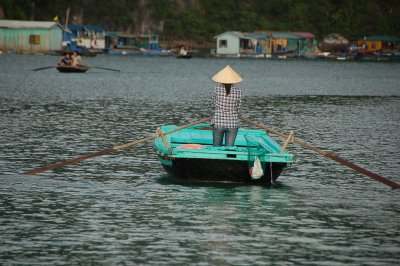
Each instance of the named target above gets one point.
<point>105,68</point>
<point>42,68</point>
<point>127,145</point>
<point>357,168</point>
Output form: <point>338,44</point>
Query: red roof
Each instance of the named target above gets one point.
<point>305,34</point>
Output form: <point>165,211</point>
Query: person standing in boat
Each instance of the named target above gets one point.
<point>227,101</point>
<point>76,59</point>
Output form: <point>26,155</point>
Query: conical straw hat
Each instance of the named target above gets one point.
<point>227,76</point>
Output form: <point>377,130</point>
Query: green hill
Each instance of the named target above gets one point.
<point>203,19</point>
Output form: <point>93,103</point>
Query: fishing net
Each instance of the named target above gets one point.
<point>255,151</point>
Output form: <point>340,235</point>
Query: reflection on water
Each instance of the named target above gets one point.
<point>122,209</point>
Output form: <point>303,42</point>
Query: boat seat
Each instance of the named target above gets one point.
<point>198,137</point>
<point>202,137</point>
<point>264,142</point>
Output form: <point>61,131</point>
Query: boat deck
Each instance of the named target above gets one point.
<point>248,143</point>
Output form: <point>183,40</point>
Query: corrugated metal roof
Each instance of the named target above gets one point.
<point>94,28</point>
<point>286,35</point>
<point>75,27</point>
<point>238,34</point>
<point>382,38</point>
<point>258,35</point>
<point>22,24</point>
<point>265,34</point>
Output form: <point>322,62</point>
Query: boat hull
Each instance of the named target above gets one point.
<point>71,69</point>
<point>187,56</point>
<point>208,170</point>
<point>189,155</point>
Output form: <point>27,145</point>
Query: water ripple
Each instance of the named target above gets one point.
<point>121,208</point>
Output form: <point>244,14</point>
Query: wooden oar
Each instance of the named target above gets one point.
<point>41,68</point>
<point>359,169</point>
<point>109,150</point>
<point>111,69</point>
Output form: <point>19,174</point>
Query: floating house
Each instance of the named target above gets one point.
<point>234,44</point>
<point>148,41</point>
<point>309,45</point>
<point>285,43</point>
<point>264,44</point>
<point>373,44</point>
<point>126,44</point>
<point>89,36</point>
<point>291,43</point>
<point>261,42</point>
<point>30,36</point>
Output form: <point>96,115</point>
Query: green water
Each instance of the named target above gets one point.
<point>122,209</point>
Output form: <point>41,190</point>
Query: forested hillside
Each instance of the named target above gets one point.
<point>203,19</point>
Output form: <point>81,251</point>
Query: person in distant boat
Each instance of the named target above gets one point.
<point>182,50</point>
<point>227,101</point>
<point>76,60</point>
<point>66,60</point>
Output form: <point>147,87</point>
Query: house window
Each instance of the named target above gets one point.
<point>223,43</point>
<point>34,39</point>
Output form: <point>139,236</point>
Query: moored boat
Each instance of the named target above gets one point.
<point>189,155</point>
<point>184,56</point>
<point>72,69</point>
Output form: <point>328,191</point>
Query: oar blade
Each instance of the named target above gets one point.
<point>342,161</point>
<point>109,150</point>
<point>105,68</point>
<point>361,170</point>
<point>68,162</point>
<point>42,68</point>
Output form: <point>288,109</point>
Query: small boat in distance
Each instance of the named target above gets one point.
<point>182,52</point>
<point>72,69</point>
<point>185,56</point>
<point>189,155</point>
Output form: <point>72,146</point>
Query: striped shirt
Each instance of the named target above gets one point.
<point>227,108</point>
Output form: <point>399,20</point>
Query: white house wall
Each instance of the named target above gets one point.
<point>233,45</point>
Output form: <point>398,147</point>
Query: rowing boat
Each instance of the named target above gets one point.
<point>188,154</point>
<point>72,69</point>
<point>184,56</point>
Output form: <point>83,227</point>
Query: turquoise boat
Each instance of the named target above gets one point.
<point>188,155</point>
